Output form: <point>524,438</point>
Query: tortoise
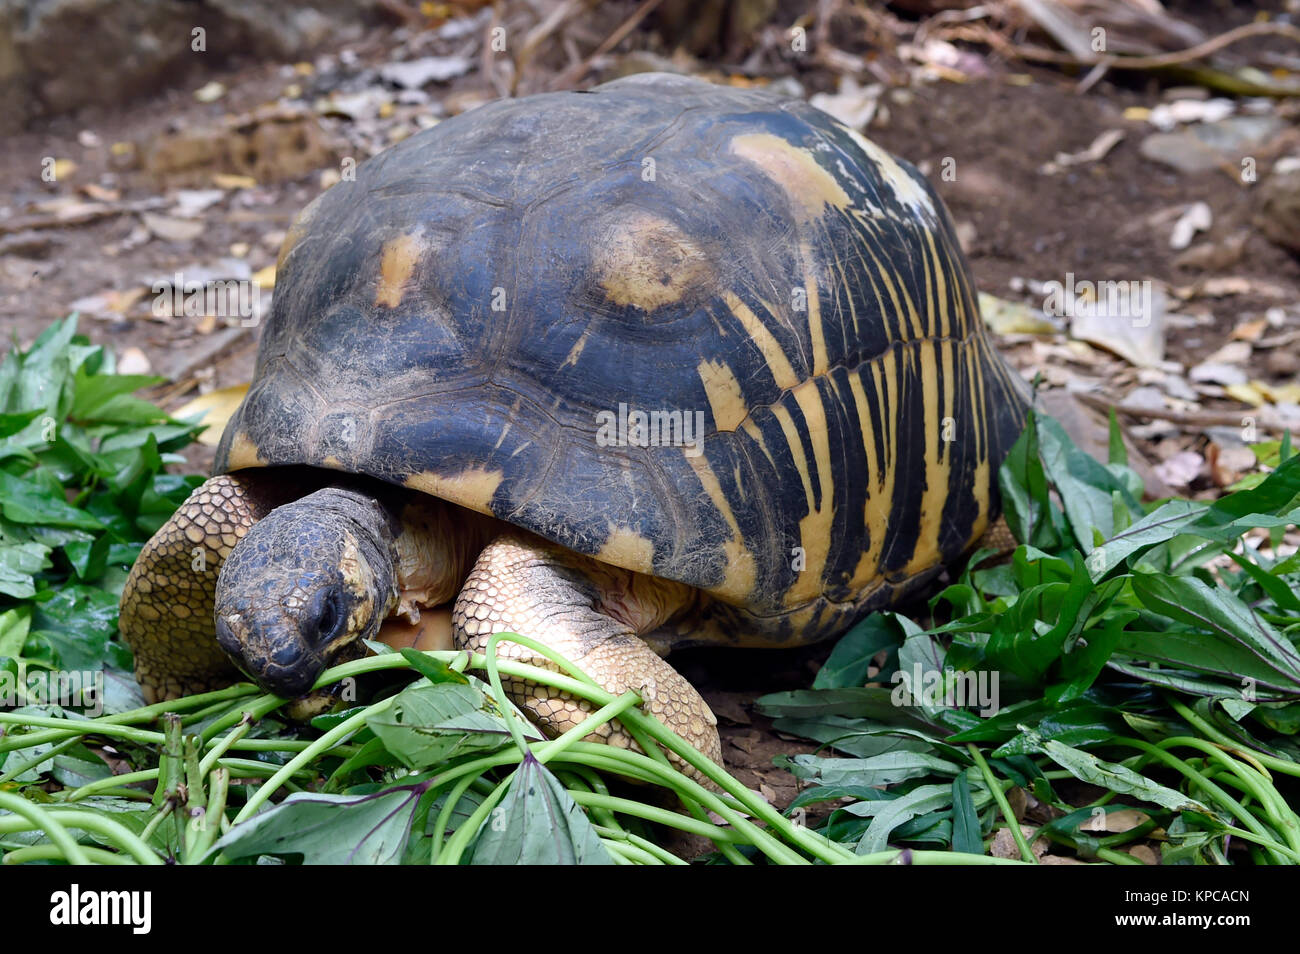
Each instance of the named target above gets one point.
<point>655,365</point>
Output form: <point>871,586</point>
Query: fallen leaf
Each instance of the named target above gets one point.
<point>225,180</point>
<point>1123,820</point>
<point>1095,152</point>
<point>191,202</point>
<point>1218,372</point>
<point>214,409</point>
<point>1227,464</point>
<point>1234,352</point>
<point>133,361</point>
<point>1180,469</point>
<point>1251,330</point>
<point>413,74</point>
<point>853,105</point>
<point>1197,218</point>
<point>210,92</point>
<point>1246,394</point>
<point>1145,853</point>
<point>99,193</point>
<point>172,229</point>
<point>1009,317</point>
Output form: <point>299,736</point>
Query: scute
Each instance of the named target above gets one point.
<point>464,316</point>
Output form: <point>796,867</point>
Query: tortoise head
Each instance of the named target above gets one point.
<point>304,587</point>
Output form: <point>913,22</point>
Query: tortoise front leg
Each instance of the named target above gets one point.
<point>592,614</point>
<point>166,610</point>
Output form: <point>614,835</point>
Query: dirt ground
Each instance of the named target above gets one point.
<point>1107,219</point>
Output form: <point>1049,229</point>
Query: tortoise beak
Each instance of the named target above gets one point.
<point>279,663</point>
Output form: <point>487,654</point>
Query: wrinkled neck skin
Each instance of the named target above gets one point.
<point>434,551</point>
<point>306,585</point>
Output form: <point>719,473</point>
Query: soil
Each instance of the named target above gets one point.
<point>1093,219</point>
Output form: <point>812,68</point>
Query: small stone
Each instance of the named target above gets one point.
<point>1282,363</point>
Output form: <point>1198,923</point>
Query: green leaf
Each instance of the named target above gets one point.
<point>77,623</point>
<point>1116,452</point>
<point>27,502</point>
<point>1081,724</point>
<point>329,829</point>
<point>861,702</point>
<point>862,738</point>
<point>1118,779</point>
<point>966,836</point>
<point>1223,619</point>
<point>435,670</point>
<point>19,563</point>
<point>1024,490</point>
<point>854,653</point>
<point>887,769</point>
<point>538,823</point>
<point>886,816</point>
<point>14,624</point>
<point>1274,495</point>
<point>429,723</point>
<point>106,398</point>
<point>1160,525</point>
<point>1083,484</point>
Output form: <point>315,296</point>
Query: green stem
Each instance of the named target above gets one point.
<point>991,782</point>
<point>113,781</point>
<point>657,815</point>
<point>222,747</point>
<point>1234,807</point>
<point>1284,766</point>
<point>304,758</point>
<point>80,728</point>
<point>99,856</point>
<point>45,821</point>
<point>618,834</point>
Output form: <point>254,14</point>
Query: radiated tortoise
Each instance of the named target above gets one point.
<point>656,365</point>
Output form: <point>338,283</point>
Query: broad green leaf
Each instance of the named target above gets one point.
<point>1161,524</point>
<point>887,769</point>
<point>966,836</point>
<point>538,823</point>
<point>23,501</point>
<point>329,829</point>
<point>859,702</point>
<point>854,653</point>
<point>886,816</point>
<point>1222,617</point>
<point>19,563</point>
<point>1118,779</point>
<point>430,723</point>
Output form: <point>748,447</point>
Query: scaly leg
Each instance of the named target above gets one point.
<point>167,602</point>
<point>592,614</point>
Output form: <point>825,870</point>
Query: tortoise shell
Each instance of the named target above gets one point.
<point>697,332</point>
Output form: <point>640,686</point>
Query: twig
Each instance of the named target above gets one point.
<point>79,216</point>
<point>570,76</point>
<point>554,20</point>
<point>1159,60</point>
<point>1263,417</point>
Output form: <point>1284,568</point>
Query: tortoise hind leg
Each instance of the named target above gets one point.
<point>166,609</point>
<point>592,614</point>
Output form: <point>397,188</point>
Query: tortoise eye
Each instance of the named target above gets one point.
<point>325,619</point>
